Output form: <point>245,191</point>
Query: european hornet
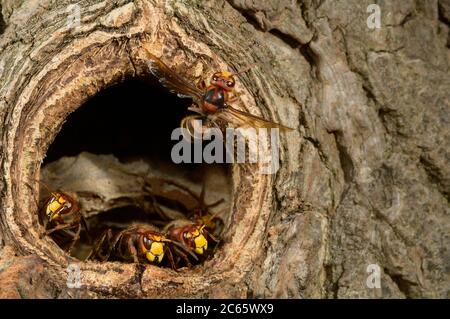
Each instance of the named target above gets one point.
<point>201,214</point>
<point>211,102</point>
<point>195,231</point>
<point>138,244</point>
<point>193,235</point>
<point>61,215</point>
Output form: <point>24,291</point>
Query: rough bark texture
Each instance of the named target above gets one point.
<point>365,178</point>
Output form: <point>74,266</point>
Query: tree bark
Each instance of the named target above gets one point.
<point>364,178</point>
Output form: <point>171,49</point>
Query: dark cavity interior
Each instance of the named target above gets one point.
<point>133,121</point>
<point>130,119</point>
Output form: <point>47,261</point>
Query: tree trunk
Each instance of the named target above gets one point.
<point>364,178</point>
